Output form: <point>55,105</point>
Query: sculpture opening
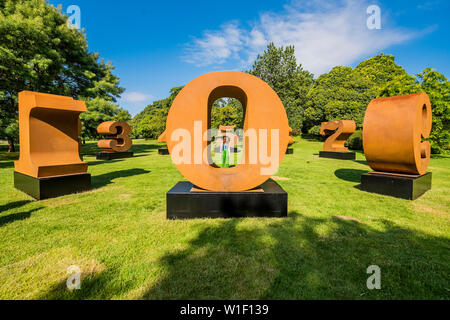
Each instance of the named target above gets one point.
<point>226,123</point>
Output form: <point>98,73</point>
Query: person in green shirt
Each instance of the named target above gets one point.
<point>225,152</point>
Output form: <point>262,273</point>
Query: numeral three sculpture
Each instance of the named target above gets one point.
<point>117,141</point>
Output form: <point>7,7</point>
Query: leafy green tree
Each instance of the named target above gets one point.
<point>98,110</point>
<point>151,122</point>
<point>9,128</point>
<point>437,86</point>
<point>227,112</point>
<point>123,115</point>
<point>152,125</point>
<point>344,93</point>
<point>278,67</point>
<point>39,52</point>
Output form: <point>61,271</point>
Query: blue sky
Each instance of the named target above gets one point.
<point>157,45</point>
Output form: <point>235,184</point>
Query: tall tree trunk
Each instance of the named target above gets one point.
<point>11,147</point>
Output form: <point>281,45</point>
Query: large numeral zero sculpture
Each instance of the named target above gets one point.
<point>263,112</point>
<point>49,128</point>
<point>392,137</point>
<point>239,191</point>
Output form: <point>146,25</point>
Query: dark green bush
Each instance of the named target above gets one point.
<point>355,142</point>
<point>315,131</point>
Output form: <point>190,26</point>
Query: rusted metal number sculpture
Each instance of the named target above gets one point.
<point>265,120</point>
<point>340,131</point>
<point>49,130</point>
<point>393,131</point>
<point>117,134</point>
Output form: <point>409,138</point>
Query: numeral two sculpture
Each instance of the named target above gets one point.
<point>339,131</point>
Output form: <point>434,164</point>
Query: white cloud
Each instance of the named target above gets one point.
<point>216,46</point>
<point>324,33</point>
<point>135,97</point>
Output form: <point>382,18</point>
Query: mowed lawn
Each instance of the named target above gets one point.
<point>118,235</point>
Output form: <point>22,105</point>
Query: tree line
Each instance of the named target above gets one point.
<point>39,52</point>
<point>342,93</point>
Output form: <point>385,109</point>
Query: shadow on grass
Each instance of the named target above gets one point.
<point>312,138</point>
<point>14,205</point>
<point>106,178</point>
<point>287,259</point>
<point>95,163</point>
<point>93,286</point>
<point>5,165</point>
<point>351,175</point>
<point>16,217</point>
<point>91,149</point>
<point>226,261</point>
<point>4,156</point>
<point>440,156</point>
<point>361,162</point>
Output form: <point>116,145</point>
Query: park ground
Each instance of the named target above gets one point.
<point>117,234</point>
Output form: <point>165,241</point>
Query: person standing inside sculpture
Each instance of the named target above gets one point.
<point>225,152</point>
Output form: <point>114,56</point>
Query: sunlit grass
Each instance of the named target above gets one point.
<point>119,237</point>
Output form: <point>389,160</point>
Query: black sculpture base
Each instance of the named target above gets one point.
<point>270,201</point>
<point>163,151</point>
<point>337,155</point>
<point>289,151</point>
<point>52,187</point>
<point>396,185</point>
<point>114,155</point>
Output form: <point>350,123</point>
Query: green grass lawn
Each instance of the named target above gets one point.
<point>119,237</point>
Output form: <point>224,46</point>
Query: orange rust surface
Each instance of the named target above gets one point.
<point>226,128</point>
<point>291,140</point>
<point>262,108</point>
<point>117,133</point>
<point>340,131</point>
<point>393,131</point>
<point>49,130</point>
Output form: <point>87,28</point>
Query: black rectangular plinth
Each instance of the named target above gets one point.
<point>114,155</point>
<point>399,186</point>
<point>289,151</point>
<point>52,187</point>
<point>271,202</point>
<point>337,155</point>
<point>163,151</point>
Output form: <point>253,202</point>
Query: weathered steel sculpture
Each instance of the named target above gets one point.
<point>393,131</point>
<point>191,111</point>
<point>338,131</point>
<point>117,141</point>
<point>49,135</point>
<point>49,130</point>
<point>392,138</point>
<point>239,191</point>
<point>117,133</point>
